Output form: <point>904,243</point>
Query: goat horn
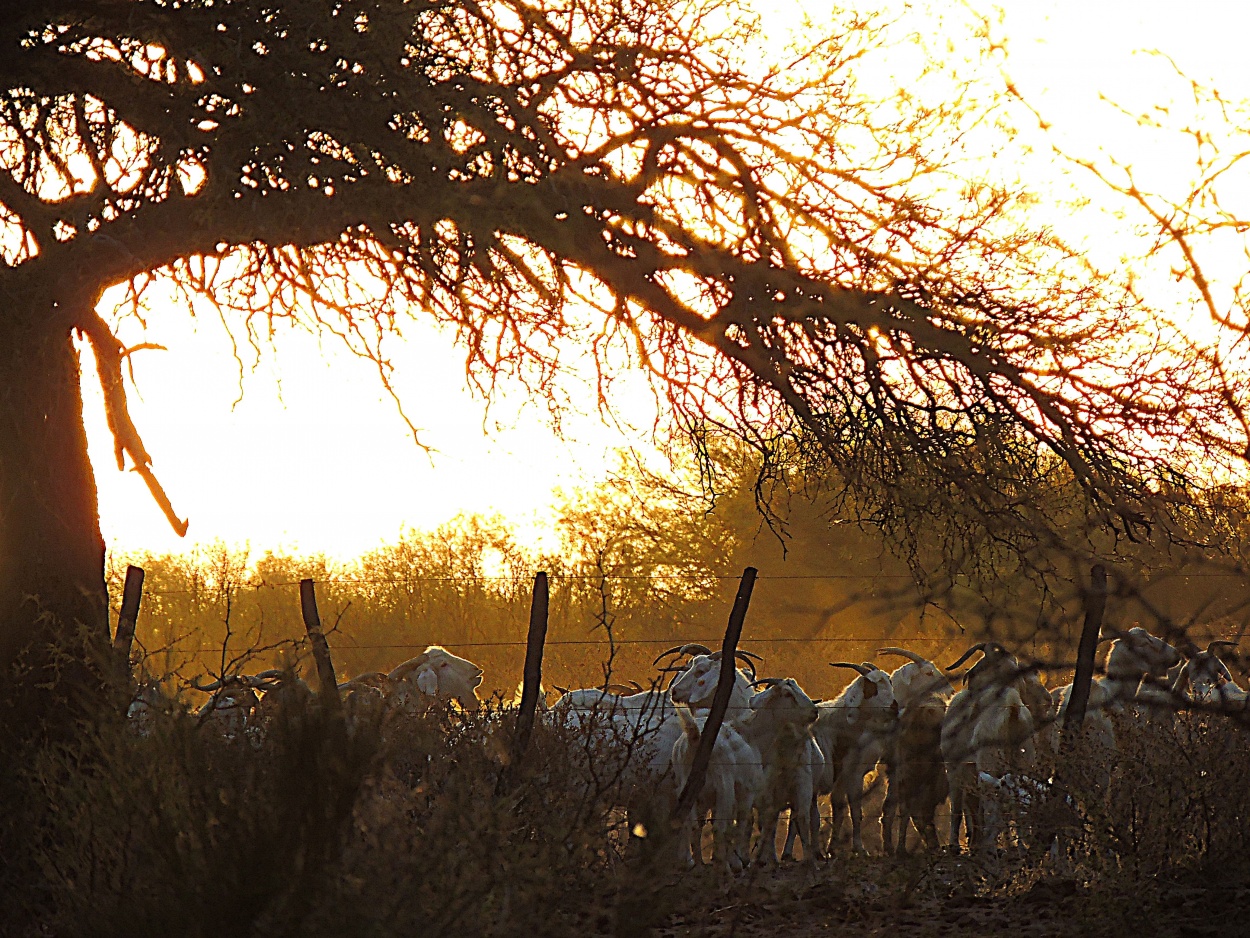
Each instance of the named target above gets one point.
<point>608,688</point>
<point>854,667</point>
<point>664,654</point>
<point>562,690</point>
<point>207,688</point>
<point>979,646</point>
<point>690,648</point>
<point>637,688</point>
<point>903,653</point>
<point>767,681</point>
<point>1211,646</point>
<point>749,654</point>
<point>747,663</point>
<point>403,670</point>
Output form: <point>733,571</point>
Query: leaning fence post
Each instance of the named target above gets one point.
<point>320,648</point>
<point>1095,604</point>
<point>532,680</point>
<point>123,641</point>
<point>720,702</point>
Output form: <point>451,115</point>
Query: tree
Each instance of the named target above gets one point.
<point>791,257</point>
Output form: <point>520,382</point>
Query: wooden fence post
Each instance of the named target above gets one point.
<point>1095,604</point>
<point>127,617</point>
<point>532,680</point>
<point>720,702</point>
<point>320,649</point>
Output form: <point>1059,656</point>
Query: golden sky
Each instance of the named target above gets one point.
<point>314,457</point>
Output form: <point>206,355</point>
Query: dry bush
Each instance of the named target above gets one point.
<point>184,831</point>
<point>1173,802</point>
<point>414,823</point>
<point>1180,797</point>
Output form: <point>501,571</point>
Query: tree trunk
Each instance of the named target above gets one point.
<point>53,603</point>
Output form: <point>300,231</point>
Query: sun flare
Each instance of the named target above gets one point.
<point>306,452</point>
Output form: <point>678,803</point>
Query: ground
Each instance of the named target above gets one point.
<point>946,896</point>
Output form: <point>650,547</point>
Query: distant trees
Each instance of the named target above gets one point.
<point>792,257</point>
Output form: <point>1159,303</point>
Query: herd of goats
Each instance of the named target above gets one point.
<point>779,750</point>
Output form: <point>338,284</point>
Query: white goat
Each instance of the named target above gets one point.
<point>853,731</point>
<point>1137,667</point>
<point>695,688</point>
<point>437,673</point>
<point>987,728</point>
<point>733,777</point>
<point>779,729</point>
<point>1097,725</point>
<point>1205,679</point>
<point>919,678</point>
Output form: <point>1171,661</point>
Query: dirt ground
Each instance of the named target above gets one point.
<point>947,896</point>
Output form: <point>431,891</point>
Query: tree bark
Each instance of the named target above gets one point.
<point>53,602</point>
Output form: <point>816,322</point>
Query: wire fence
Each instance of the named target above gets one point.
<point>690,577</point>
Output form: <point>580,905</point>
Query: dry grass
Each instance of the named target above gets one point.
<point>417,824</point>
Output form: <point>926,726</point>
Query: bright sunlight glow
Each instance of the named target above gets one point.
<point>313,456</point>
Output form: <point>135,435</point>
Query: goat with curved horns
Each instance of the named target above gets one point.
<point>852,731</point>
<point>232,703</point>
<point>915,776</point>
<point>989,726</point>
<point>918,678</point>
<point>1138,664</point>
<point>694,649</point>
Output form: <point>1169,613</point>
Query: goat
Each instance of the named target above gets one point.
<point>779,729</point>
<point>918,679</point>
<point>987,728</point>
<point>1137,663</point>
<point>437,673</point>
<point>700,676</point>
<point>284,690</point>
<point>1203,676</point>
<point>733,777</point>
<point>1097,724</point>
<point>695,688</point>
<point>916,782</point>
<point>149,699</point>
<point>232,703</point>
<point>1002,739</point>
<point>852,731</point>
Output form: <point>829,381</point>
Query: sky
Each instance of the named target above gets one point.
<point>312,455</point>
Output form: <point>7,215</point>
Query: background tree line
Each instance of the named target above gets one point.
<point>644,562</point>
